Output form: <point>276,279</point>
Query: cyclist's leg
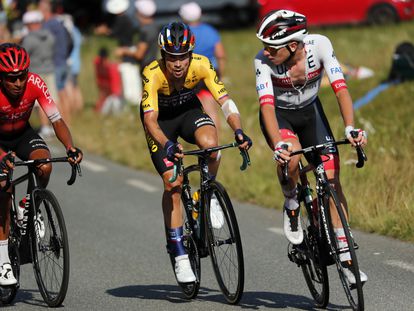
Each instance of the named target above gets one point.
<point>32,146</point>
<point>198,128</point>
<point>171,201</point>
<point>291,215</point>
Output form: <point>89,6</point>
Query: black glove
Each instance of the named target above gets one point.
<point>171,149</point>
<point>74,154</point>
<point>7,157</point>
<point>245,138</point>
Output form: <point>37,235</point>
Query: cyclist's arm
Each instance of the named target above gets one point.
<point>270,123</point>
<point>153,128</point>
<point>345,105</point>
<point>63,134</point>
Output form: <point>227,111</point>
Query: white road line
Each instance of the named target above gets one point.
<point>400,264</point>
<point>93,166</point>
<point>141,185</point>
<point>276,230</point>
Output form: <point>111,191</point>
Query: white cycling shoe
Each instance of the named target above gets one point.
<point>6,275</point>
<point>351,277</point>
<point>40,225</point>
<point>183,270</point>
<point>216,213</point>
<point>292,226</point>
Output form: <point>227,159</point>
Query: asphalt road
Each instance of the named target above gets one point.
<point>119,262</point>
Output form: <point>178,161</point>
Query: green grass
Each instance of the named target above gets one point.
<point>380,195</point>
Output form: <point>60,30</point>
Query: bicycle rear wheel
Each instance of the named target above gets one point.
<point>225,246</point>
<point>353,292</point>
<point>50,247</point>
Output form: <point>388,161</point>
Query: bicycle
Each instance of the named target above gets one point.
<point>45,236</point>
<point>319,248</point>
<point>200,238</point>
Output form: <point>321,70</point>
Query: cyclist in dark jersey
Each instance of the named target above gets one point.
<point>171,109</point>
<point>288,76</point>
<point>19,90</point>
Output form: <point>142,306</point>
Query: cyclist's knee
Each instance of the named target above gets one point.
<point>168,186</point>
<point>43,172</point>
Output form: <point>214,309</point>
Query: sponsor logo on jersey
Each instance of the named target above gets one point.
<point>167,162</point>
<point>42,86</point>
<point>145,79</point>
<point>144,95</point>
<point>338,85</point>
<point>267,100</point>
<point>335,70</point>
<point>258,73</point>
<point>261,86</point>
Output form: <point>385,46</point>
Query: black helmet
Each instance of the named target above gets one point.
<point>176,39</point>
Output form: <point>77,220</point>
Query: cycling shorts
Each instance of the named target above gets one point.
<point>311,127</point>
<point>24,143</point>
<point>184,126</point>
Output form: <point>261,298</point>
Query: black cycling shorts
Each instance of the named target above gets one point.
<point>183,125</point>
<point>310,126</point>
<point>24,143</point>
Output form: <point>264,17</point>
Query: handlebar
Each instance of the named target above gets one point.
<point>76,169</point>
<point>362,157</point>
<point>177,170</point>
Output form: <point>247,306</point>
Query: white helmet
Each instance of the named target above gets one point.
<point>278,28</point>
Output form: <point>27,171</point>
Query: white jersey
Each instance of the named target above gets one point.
<point>274,86</point>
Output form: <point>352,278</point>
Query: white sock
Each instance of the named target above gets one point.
<point>291,198</point>
<point>4,252</point>
<point>342,243</point>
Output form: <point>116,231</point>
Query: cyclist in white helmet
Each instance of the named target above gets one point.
<point>289,71</point>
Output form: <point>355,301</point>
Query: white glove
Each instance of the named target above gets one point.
<point>280,146</point>
<point>350,129</point>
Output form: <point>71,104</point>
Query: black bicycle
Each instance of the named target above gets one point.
<point>201,238</point>
<point>319,248</point>
<point>44,241</point>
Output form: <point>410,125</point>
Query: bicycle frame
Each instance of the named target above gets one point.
<point>205,180</point>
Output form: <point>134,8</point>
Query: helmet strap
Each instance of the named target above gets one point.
<point>292,53</point>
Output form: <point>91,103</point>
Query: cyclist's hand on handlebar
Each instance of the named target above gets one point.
<point>173,150</point>
<point>7,162</point>
<point>357,137</point>
<point>242,139</point>
<point>75,155</point>
<point>282,152</point>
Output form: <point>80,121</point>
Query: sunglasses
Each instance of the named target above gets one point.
<point>13,78</point>
<point>273,49</point>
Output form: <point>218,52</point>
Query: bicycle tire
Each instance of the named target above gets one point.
<point>354,293</point>
<point>314,270</point>
<point>8,293</point>
<point>225,246</point>
<point>50,250</point>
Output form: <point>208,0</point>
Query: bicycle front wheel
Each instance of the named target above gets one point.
<point>50,247</point>
<point>353,291</point>
<point>314,269</point>
<point>224,243</point>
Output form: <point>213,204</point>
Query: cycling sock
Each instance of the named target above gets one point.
<point>342,244</point>
<point>4,252</point>
<point>291,198</point>
<point>175,241</point>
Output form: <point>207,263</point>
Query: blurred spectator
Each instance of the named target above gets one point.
<point>61,54</point>
<point>39,43</point>
<point>74,63</point>
<point>108,81</point>
<point>146,50</point>
<point>123,31</point>
<point>208,43</point>
<point>4,30</point>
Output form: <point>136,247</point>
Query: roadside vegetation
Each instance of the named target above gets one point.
<point>380,195</point>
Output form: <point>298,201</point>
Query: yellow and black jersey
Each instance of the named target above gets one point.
<point>159,95</point>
